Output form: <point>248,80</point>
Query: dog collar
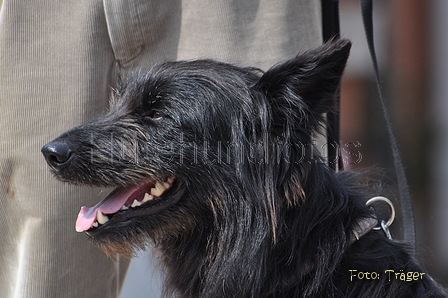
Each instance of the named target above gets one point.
<point>363,227</point>
<point>367,224</point>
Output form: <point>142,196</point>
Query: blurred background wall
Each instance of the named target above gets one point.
<point>412,42</point>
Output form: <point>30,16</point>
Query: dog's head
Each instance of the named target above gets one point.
<point>197,142</point>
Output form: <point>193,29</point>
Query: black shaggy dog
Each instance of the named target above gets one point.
<point>213,165</point>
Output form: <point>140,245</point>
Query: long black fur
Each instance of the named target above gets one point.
<point>255,212</point>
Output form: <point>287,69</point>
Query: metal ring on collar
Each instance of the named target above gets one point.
<point>392,215</point>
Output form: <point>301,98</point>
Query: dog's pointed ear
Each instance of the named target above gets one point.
<point>308,81</point>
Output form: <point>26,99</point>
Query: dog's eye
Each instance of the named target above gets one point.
<point>155,115</point>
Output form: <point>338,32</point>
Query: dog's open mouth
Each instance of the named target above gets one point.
<point>123,204</point>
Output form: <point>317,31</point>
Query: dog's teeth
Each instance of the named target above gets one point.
<point>147,198</point>
<point>101,218</point>
<point>124,207</point>
<point>95,224</point>
<point>158,189</point>
<point>136,204</point>
<point>170,180</point>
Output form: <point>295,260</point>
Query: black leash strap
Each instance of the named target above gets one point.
<point>331,30</point>
<point>403,188</point>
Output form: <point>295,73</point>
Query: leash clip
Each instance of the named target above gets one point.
<point>384,225</point>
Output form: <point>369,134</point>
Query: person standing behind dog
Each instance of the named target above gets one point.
<point>58,62</point>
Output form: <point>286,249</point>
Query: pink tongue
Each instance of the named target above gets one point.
<point>109,205</point>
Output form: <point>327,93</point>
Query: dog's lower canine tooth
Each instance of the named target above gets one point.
<point>101,218</point>
<point>124,207</point>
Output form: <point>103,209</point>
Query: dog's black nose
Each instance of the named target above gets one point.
<point>57,154</point>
